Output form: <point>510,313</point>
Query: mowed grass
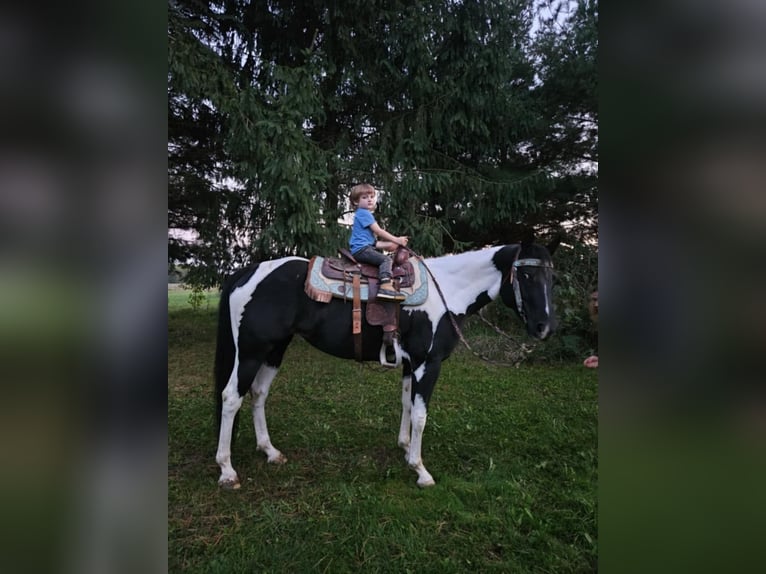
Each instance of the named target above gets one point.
<point>513,453</point>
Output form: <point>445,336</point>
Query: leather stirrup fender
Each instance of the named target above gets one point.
<point>356,316</point>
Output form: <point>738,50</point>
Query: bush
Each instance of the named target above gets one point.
<point>576,278</point>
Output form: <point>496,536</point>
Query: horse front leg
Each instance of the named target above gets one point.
<point>260,392</point>
<point>404,426</point>
<point>424,380</point>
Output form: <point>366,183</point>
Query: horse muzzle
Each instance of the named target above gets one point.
<point>541,330</point>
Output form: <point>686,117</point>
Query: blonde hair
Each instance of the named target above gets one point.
<point>358,190</point>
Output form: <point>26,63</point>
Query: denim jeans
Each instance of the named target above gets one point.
<point>370,255</point>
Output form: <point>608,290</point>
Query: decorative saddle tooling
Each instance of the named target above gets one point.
<point>344,278</point>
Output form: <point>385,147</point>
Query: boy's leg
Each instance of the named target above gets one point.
<point>384,263</point>
<point>373,257</point>
<point>384,269</point>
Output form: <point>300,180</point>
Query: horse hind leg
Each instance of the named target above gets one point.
<point>232,401</point>
<point>260,392</point>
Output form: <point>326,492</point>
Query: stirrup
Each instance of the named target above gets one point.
<point>397,354</point>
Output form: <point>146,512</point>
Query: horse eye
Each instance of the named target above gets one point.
<point>526,275</point>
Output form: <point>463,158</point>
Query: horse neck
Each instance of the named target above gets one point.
<point>465,276</point>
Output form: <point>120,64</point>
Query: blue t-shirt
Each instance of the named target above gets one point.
<point>361,235</point>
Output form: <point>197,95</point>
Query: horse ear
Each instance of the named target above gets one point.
<point>553,245</point>
<point>528,237</point>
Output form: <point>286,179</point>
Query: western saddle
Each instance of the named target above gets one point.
<point>379,311</point>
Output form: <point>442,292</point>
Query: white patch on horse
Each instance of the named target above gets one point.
<point>467,275</point>
<point>547,301</point>
<point>404,426</point>
<point>546,330</point>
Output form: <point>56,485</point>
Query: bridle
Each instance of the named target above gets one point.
<point>513,279</point>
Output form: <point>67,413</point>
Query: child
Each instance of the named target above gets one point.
<point>363,242</point>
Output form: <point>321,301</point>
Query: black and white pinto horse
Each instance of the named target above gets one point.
<point>262,307</point>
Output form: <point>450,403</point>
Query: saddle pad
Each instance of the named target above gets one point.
<point>322,288</point>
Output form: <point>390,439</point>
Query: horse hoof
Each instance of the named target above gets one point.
<point>229,484</point>
<point>277,459</point>
<point>426,483</point>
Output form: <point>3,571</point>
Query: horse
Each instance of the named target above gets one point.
<point>264,306</point>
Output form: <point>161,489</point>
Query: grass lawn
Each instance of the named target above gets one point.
<point>178,298</point>
<point>513,453</point>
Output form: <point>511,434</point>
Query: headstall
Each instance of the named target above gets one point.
<point>529,262</point>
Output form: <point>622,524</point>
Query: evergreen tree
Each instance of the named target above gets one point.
<point>474,129</point>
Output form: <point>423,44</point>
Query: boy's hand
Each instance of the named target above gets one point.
<point>402,240</point>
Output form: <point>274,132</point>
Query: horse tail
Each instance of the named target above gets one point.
<point>224,347</point>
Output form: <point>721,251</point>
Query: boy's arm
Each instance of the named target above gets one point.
<point>382,233</point>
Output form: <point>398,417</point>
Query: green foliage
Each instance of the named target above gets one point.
<point>576,278</point>
<point>474,129</point>
<point>196,297</point>
<point>568,70</point>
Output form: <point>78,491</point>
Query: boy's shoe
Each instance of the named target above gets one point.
<point>389,294</point>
